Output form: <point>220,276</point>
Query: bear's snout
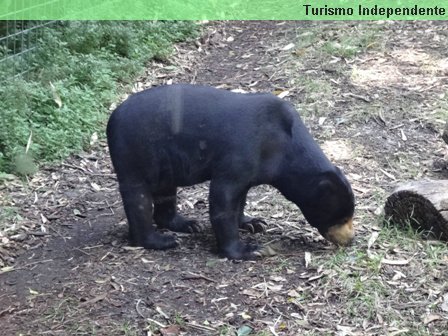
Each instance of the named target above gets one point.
<point>342,234</point>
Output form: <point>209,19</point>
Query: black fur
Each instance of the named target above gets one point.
<point>180,135</point>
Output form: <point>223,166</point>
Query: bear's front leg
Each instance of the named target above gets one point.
<point>247,223</point>
<point>225,208</point>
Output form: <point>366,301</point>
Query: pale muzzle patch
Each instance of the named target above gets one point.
<point>341,235</point>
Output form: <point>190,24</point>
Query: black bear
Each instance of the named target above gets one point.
<point>179,135</point>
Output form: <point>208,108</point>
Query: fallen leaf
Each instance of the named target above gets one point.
<point>250,292</point>
<point>94,300</point>
<point>268,286</point>
<point>403,136</point>
<point>315,277</point>
<point>283,94</point>
<point>389,175</point>
<point>190,204</point>
<point>239,91</point>
<point>6,269</point>
<point>57,99</point>
<point>272,330</point>
<point>372,239</point>
<point>355,176</point>
<point>349,94</point>
<point>267,251</point>
<point>293,293</point>
<point>378,211</point>
<point>288,46</point>
<point>398,275</point>
<point>275,288</point>
<point>444,305</point>
<point>171,330</point>
<point>146,261</point>
<point>277,215</point>
<point>431,318</point>
<point>344,331</point>
<point>28,144</point>
<point>219,299</point>
<point>395,262</point>
<point>94,138</point>
<point>307,259</point>
<point>95,186</point>
<point>244,330</point>
<point>160,311</point>
<point>398,332</point>
<point>132,248</point>
<point>19,237</point>
<point>277,278</point>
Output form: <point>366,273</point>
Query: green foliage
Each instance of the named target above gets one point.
<point>82,65</point>
<point>351,41</point>
<point>9,215</point>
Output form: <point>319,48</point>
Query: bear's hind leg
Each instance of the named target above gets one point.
<point>137,203</point>
<point>166,216</point>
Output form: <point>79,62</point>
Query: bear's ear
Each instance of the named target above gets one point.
<point>326,188</point>
<point>286,123</point>
<point>339,171</point>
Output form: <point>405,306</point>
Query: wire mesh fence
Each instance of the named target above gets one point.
<point>18,40</point>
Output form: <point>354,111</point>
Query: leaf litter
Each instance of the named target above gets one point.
<point>66,267</point>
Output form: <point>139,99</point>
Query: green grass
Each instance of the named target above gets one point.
<point>323,57</point>
<point>365,285</point>
<point>440,112</point>
<point>84,65</point>
<point>179,320</point>
<point>76,320</point>
<point>351,42</point>
<point>315,95</point>
<point>339,40</point>
<point>307,38</point>
<point>282,266</point>
<point>315,90</point>
<point>129,330</point>
<point>9,212</point>
<point>8,215</point>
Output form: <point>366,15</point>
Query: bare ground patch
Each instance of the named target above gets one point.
<point>373,94</point>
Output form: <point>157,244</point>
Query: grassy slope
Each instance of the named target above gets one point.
<point>80,68</point>
<point>390,280</point>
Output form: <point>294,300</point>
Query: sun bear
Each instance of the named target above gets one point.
<point>179,135</point>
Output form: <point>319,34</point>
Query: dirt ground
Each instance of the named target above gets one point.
<point>374,94</point>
